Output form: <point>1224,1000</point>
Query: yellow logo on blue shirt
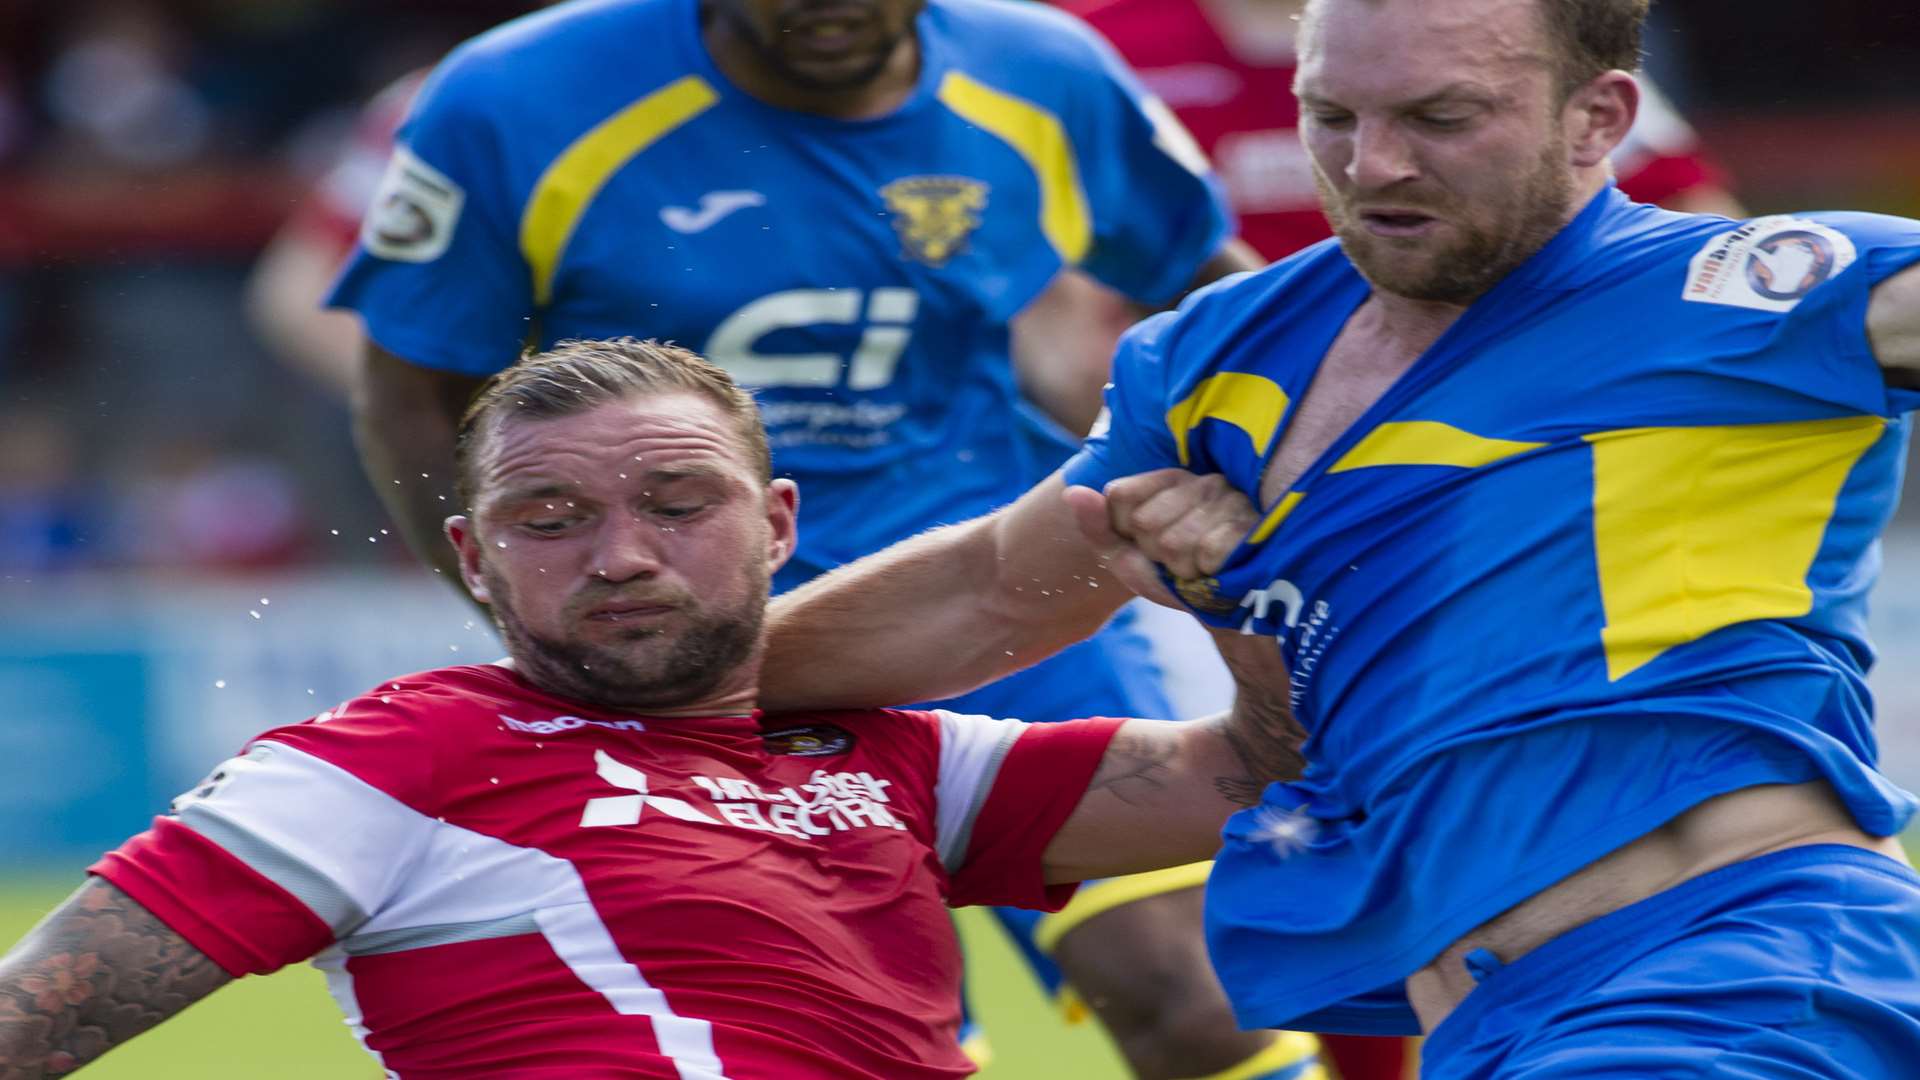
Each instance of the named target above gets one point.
<point>934,215</point>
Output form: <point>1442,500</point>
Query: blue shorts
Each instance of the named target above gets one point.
<point>1804,963</point>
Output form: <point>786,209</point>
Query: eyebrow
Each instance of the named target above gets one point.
<point>691,470</point>
<point>1446,93</point>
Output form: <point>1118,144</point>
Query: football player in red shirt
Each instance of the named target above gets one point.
<point>1225,68</point>
<point>598,858</point>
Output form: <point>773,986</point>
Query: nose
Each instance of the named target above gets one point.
<point>626,548</point>
<point>1382,155</point>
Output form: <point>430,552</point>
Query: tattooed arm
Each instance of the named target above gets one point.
<point>95,973</point>
<point>1161,795</point>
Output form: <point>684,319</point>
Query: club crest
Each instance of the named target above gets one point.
<point>814,740</point>
<point>934,215</point>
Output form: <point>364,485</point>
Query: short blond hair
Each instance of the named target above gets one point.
<point>576,376</point>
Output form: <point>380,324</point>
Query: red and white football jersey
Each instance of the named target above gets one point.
<point>1243,114</point>
<point>503,883</point>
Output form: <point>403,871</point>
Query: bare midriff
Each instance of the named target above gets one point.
<point>1724,830</point>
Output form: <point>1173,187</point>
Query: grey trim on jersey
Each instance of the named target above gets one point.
<point>423,937</point>
<point>310,886</point>
<point>972,749</point>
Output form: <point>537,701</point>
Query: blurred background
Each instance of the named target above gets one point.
<point>188,550</point>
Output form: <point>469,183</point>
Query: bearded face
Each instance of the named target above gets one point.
<point>646,664</point>
<point>1438,137</point>
<point>626,550</point>
<point>1472,245</point>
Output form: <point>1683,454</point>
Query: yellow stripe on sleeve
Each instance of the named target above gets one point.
<point>1038,137</point>
<point>1252,403</point>
<point>569,185</point>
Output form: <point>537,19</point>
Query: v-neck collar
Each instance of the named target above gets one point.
<point>1560,265</point>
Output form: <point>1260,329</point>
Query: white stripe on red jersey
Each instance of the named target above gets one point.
<point>505,883</point>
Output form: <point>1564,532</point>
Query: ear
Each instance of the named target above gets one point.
<point>783,518</point>
<point>466,544</point>
<point>1599,115</point>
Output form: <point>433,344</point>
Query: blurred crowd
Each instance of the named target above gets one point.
<point>149,150</point>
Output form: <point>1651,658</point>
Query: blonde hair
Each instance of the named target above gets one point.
<point>575,376</point>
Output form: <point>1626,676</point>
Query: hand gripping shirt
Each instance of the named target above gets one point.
<point>588,172</point>
<point>1601,554</point>
<point>503,883</point>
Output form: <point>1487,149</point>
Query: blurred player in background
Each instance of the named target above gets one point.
<point>598,858</point>
<point>303,260</point>
<point>305,256</point>
<point>857,209</point>
<point>1226,69</point>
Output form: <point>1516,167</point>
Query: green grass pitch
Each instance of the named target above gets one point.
<point>285,1027</point>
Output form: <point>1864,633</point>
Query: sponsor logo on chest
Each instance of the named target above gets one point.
<point>1768,264</point>
<point>828,803</point>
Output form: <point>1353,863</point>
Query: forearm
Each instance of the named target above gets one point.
<point>941,613</point>
<point>100,970</point>
<point>1159,799</point>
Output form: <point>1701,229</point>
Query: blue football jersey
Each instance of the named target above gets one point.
<point>1601,554</point>
<point>588,172</point>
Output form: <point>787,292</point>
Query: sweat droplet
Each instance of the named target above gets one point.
<point>500,543</point>
<point>219,684</point>
<point>255,614</point>
<point>493,779</point>
<point>264,601</point>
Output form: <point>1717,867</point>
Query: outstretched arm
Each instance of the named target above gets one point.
<point>96,972</point>
<point>1164,790</point>
<point>1893,326</point>
<point>942,613</point>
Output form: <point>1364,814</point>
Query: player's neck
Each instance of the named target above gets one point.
<point>749,71</point>
<point>737,694</point>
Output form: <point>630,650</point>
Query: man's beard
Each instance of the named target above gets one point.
<point>1465,270</point>
<point>710,648</point>
<point>770,55</point>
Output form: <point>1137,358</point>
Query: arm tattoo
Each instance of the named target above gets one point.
<point>1136,767</point>
<point>100,970</point>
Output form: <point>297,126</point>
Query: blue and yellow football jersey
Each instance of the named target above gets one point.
<point>588,172</point>
<point>1601,554</point>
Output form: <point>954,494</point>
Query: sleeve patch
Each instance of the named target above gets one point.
<point>414,211</point>
<point>1768,264</point>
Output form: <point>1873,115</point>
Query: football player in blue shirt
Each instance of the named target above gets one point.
<point>1540,524</point>
<point>863,210</point>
